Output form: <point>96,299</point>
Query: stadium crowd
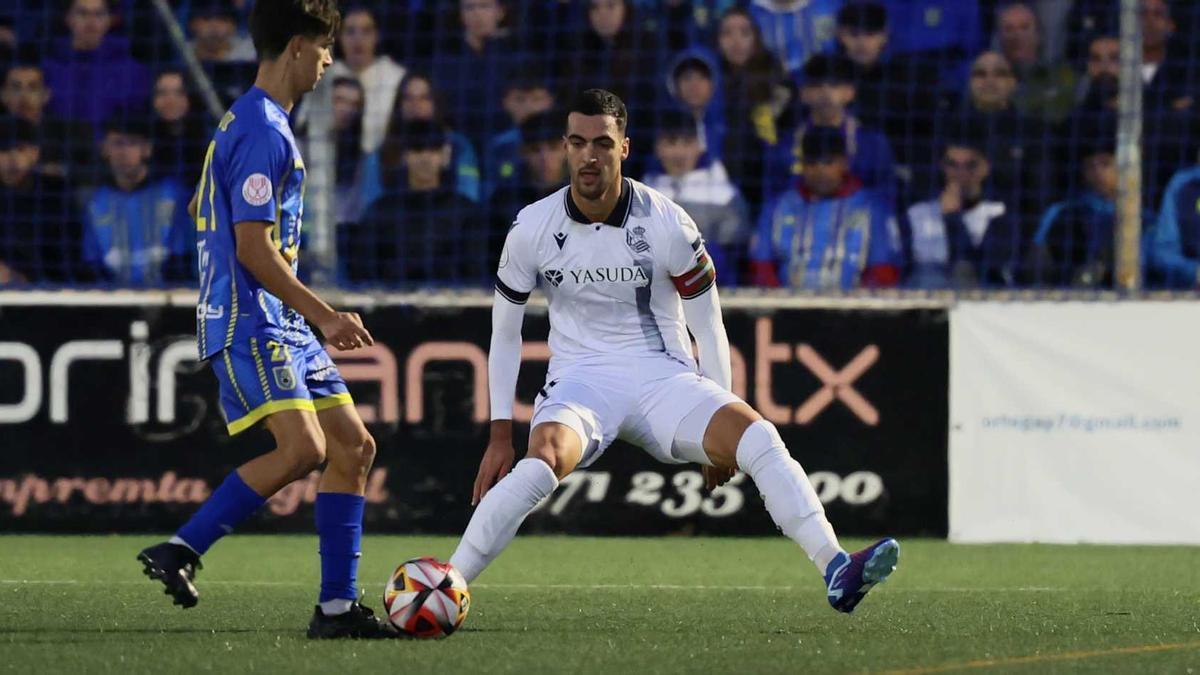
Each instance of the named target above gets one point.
<point>818,144</point>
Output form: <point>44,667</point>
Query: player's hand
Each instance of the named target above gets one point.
<point>497,462</point>
<point>715,478</point>
<point>345,331</point>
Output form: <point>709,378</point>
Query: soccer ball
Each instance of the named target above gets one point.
<point>426,598</point>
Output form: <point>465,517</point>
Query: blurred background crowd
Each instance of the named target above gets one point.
<point>818,144</point>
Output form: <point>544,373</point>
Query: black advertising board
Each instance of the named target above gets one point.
<point>108,424</point>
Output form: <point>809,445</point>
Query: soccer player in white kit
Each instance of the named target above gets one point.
<point>626,275</point>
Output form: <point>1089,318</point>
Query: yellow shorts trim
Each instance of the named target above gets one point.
<point>269,408</point>
<point>333,401</point>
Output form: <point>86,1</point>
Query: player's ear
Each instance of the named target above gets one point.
<point>625,148</point>
<point>295,47</point>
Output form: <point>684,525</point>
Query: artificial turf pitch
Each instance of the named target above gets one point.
<point>628,606</point>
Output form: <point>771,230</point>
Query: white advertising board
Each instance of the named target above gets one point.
<point>1075,422</point>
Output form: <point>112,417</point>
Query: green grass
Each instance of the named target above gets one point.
<point>628,606</point>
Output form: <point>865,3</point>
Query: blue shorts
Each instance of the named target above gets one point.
<point>260,376</point>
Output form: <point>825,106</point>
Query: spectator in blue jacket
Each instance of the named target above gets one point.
<point>828,232</point>
<point>91,73</point>
<point>965,237</point>
<point>1073,245</point>
<point>693,82</point>
<point>137,225</point>
<point>796,30</point>
<point>527,94</point>
<point>827,92</point>
<point>479,53</point>
<point>948,32</point>
<point>1175,241</point>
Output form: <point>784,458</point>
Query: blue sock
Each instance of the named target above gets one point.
<point>339,528</point>
<point>231,503</point>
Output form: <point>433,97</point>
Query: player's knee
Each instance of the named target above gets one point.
<point>725,433</point>
<point>556,453</point>
<point>306,453</point>
<point>368,451</point>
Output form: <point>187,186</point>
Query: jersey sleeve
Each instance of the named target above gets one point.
<point>258,162</point>
<point>688,262</point>
<point>516,274</point>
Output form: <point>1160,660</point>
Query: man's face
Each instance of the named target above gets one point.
<point>1019,39</point>
<point>992,82</point>
<point>360,37</point>
<point>546,162</point>
<point>521,104</point>
<point>316,54</point>
<point>1104,58</point>
<point>1100,172</point>
<point>595,149</point>
<point>1157,25</point>
<point>862,47</point>
<point>416,101</point>
<point>25,94</point>
<point>425,165</point>
<point>170,98</point>
<point>827,96</point>
<point>125,153</point>
<point>347,105</point>
<point>481,18</point>
<point>966,168</point>
<point>695,89</point>
<point>88,21</point>
<point>17,163</point>
<point>213,34</point>
<point>606,17</point>
<point>824,176</point>
<point>736,39</point>
<point>678,154</point>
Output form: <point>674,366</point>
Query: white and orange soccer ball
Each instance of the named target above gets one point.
<point>426,598</point>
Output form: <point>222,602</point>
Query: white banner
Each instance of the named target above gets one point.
<point>1075,422</point>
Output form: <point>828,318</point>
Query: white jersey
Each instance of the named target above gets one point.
<point>614,288</point>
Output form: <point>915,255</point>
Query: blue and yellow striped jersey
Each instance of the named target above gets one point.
<point>252,172</point>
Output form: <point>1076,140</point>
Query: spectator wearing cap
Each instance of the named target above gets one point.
<point>756,95</point>
<point>694,87</point>
<point>421,230</point>
<point>137,225</point>
<point>1073,245</point>
<point>90,73</point>
<point>41,232</point>
<point>542,170</point>
<point>699,183</point>
<point>1045,90</point>
<point>827,91</point>
<point>828,232</point>
<point>527,94</point>
<point>179,132</point>
<point>965,237</point>
<point>796,30</point>
<point>67,146</point>
<point>378,75</point>
<point>895,93</point>
<point>1174,255</point>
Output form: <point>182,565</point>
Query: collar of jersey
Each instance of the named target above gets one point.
<point>620,212</point>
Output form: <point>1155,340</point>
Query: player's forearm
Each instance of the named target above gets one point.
<point>703,316</point>
<point>504,357</point>
<point>273,272</point>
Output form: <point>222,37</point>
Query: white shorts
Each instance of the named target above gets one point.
<point>641,400</point>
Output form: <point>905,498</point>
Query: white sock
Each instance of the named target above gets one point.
<point>500,513</point>
<point>790,498</point>
<point>336,606</point>
<point>176,540</point>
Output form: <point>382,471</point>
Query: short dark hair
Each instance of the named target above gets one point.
<point>827,69</point>
<point>417,135</point>
<point>823,143</point>
<point>692,64</point>
<point>867,17</point>
<point>676,124</point>
<point>601,102</point>
<point>16,132</point>
<point>128,125</point>
<point>542,127</point>
<point>273,23</point>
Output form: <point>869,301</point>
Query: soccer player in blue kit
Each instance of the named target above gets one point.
<point>253,321</point>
